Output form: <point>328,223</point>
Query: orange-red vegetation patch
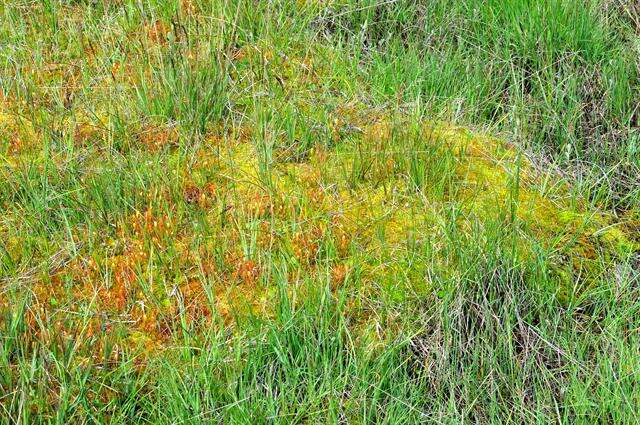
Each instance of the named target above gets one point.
<point>194,300</point>
<point>124,272</point>
<point>342,235</point>
<point>188,6</point>
<point>204,197</point>
<point>151,225</point>
<point>339,273</point>
<point>156,137</point>
<point>124,71</point>
<point>306,244</point>
<point>4,306</point>
<point>267,236</point>
<point>22,135</point>
<point>157,31</point>
<point>245,271</point>
<point>221,136</point>
<point>260,205</point>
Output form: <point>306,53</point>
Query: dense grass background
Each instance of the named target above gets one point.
<point>109,108</point>
<point>561,77</point>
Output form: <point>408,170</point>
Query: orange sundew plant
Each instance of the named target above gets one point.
<point>341,235</point>
<point>52,307</point>
<point>4,306</point>
<point>124,278</point>
<point>317,198</point>
<point>238,54</point>
<point>267,235</point>
<point>124,268</point>
<point>248,272</point>
<point>16,144</point>
<point>156,137</point>
<point>194,301</point>
<point>252,52</point>
<point>310,179</point>
<point>206,167</point>
<point>157,32</point>
<point>22,133</point>
<point>81,269</point>
<point>124,71</point>
<point>244,270</point>
<point>43,309</point>
<point>188,6</point>
<point>306,244</point>
<point>204,197</point>
<point>151,225</point>
<point>339,273</point>
<point>223,136</point>
<point>192,194</point>
<point>148,320</point>
<point>213,139</point>
<point>259,205</point>
<point>34,314</point>
<point>97,326</point>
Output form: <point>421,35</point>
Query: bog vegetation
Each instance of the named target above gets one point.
<point>348,211</point>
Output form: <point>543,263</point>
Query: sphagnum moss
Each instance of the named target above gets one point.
<point>374,216</point>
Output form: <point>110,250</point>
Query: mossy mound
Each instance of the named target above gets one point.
<point>379,210</point>
<point>391,186</point>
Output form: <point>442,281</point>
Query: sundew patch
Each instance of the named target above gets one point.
<point>370,214</point>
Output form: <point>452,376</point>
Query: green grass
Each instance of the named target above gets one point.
<point>349,211</point>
